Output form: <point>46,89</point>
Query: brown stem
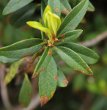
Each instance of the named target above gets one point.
<point>4,92</point>
<point>33,104</point>
<point>96,40</point>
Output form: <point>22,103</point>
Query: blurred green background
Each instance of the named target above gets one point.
<point>83,92</point>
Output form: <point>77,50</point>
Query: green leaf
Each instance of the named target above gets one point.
<point>55,6</point>
<point>62,81</point>
<point>71,35</point>
<point>12,35</point>
<point>65,6</point>
<point>72,20</point>
<point>41,60</point>
<point>4,59</point>
<point>20,17</point>
<point>91,7</point>
<point>13,70</point>
<point>47,80</point>
<point>18,54</point>
<point>73,60</point>
<point>25,92</point>
<point>21,44</point>
<point>88,55</point>
<point>14,5</point>
<point>19,50</point>
<point>38,26</point>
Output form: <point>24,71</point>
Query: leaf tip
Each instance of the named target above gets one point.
<point>4,11</point>
<point>90,71</point>
<point>65,82</point>
<point>35,74</point>
<point>29,23</point>
<point>52,94</point>
<point>43,100</point>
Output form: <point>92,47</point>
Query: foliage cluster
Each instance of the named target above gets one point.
<point>57,39</point>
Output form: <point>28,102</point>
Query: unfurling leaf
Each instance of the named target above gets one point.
<point>39,26</point>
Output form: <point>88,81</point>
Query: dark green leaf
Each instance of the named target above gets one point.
<point>72,59</point>
<point>20,50</point>
<point>70,35</point>
<point>4,59</point>
<point>47,80</point>
<point>14,5</point>
<point>62,81</point>
<point>27,13</point>
<point>91,7</point>
<point>65,6</point>
<point>12,35</point>
<point>25,92</point>
<point>22,44</point>
<point>41,60</point>
<point>85,53</point>
<point>72,20</point>
<point>55,6</point>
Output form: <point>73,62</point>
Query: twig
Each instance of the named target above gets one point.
<point>34,103</point>
<point>96,40</point>
<point>86,102</point>
<point>35,99</point>
<point>4,93</point>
